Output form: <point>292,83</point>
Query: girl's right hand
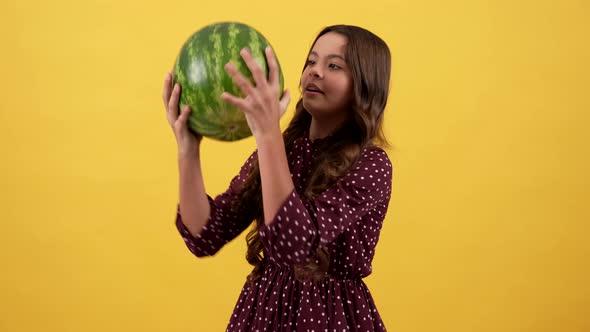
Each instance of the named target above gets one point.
<point>188,142</point>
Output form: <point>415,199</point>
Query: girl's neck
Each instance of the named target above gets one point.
<point>322,128</point>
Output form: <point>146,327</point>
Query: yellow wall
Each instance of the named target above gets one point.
<point>488,222</point>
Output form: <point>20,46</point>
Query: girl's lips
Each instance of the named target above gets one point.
<point>313,88</point>
<point>313,93</point>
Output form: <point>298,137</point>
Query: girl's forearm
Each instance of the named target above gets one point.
<point>193,201</point>
<point>274,173</point>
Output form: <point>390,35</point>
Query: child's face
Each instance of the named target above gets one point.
<point>326,81</point>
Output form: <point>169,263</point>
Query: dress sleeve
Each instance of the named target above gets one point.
<point>225,222</point>
<point>300,226</point>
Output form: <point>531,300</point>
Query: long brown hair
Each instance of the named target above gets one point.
<point>369,59</point>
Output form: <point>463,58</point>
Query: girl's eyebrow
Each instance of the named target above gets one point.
<point>329,56</point>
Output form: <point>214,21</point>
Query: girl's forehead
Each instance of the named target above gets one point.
<point>330,44</point>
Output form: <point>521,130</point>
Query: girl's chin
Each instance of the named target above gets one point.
<point>317,112</point>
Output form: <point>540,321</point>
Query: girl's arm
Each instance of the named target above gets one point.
<point>275,175</point>
<point>263,109</point>
<point>193,201</point>
<point>194,204</point>
<point>223,220</point>
<point>205,224</point>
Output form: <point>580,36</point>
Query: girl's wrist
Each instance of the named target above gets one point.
<point>188,154</point>
<point>269,137</point>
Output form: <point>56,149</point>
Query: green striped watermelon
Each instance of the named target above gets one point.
<point>199,69</point>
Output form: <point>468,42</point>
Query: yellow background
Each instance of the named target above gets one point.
<point>488,222</point>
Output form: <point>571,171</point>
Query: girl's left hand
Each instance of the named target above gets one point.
<point>262,106</point>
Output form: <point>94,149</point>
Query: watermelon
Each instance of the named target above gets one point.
<point>199,69</point>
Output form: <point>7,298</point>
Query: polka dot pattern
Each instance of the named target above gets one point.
<point>346,219</point>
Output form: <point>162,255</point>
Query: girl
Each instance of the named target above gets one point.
<point>317,193</point>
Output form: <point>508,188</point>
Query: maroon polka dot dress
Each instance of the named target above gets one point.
<point>346,219</point>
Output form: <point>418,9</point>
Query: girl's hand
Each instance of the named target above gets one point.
<point>188,143</point>
<point>262,106</point>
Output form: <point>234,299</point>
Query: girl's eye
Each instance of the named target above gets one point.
<point>334,66</point>
<point>310,62</point>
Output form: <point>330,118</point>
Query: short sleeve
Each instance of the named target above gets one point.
<point>300,226</point>
<point>225,221</point>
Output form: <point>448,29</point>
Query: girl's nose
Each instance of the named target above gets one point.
<point>316,72</point>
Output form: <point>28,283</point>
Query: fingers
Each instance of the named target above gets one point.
<point>264,92</point>
<point>167,89</point>
<point>186,110</point>
<point>257,72</point>
<point>273,67</point>
<point>239,79</point>
<point>178,122</point>
<point>241,103</point>
<point>285,101</point>
<point>173,102</point>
